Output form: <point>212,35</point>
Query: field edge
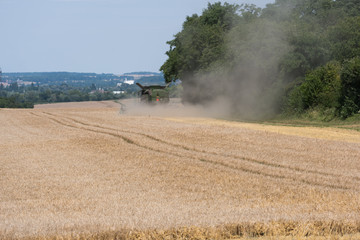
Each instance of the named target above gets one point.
<point>263,231</point>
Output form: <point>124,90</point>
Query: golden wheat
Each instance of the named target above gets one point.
<point>90,172</point>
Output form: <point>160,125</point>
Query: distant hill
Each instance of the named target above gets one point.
<point>144,73</point>
<point>80,79</point>
<point>151,80</point>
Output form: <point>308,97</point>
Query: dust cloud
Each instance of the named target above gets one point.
<point>249,86</point>
<point>176,108</point>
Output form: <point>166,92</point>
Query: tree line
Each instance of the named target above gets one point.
<point>52,87</point>
<point>15,96</point>
<point>26,96</point>
<point>292,57</point>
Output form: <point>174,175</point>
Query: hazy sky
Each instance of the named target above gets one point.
<point>102,36</point>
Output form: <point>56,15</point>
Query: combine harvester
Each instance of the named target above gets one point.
<point>154,94</point>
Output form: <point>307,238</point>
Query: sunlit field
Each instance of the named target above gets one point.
<point>91,170</point>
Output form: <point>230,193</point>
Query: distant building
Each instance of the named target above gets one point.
<point>126,81</point>
<point>130,82</point>
<point>5,84</point>
<point>26,83</point>
<point>118,92</point>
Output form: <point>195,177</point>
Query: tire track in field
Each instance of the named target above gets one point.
<point>246,159</point>
<point>333,177</point>
<point>99,129</point>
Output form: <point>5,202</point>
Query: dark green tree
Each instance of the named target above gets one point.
<point>350,87</point>
<point>200,43</point>
<point>345,38</point>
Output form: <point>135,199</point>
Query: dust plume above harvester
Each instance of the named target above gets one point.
<point>233,57</point>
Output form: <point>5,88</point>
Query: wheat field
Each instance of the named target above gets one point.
<point>86,170</point>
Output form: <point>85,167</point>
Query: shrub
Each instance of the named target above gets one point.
<point>350,87</point>
<point>321,89</point>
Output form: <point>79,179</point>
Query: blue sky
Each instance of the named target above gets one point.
<point>102,36</point>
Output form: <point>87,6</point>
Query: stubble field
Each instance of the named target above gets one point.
<point>88,171</point>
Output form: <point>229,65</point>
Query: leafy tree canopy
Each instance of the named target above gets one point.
<point>261,59</point>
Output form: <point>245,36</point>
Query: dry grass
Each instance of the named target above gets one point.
<point>82,173</point>
<point>90,104</point>
<point>272,230</point>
